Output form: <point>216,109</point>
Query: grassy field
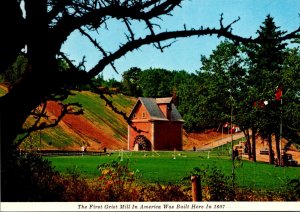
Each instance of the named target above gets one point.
<point>164,167</point>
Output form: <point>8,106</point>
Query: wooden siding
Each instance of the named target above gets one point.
<point>168,136</point>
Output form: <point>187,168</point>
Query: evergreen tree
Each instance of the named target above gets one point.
<point>265,75</point>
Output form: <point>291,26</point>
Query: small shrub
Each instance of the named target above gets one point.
<point>117,182</point>
<point>219,186</point>
<point>215,185</point>
<point>77,189</point>
<point>291,190</point>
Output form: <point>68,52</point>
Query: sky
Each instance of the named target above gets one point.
<point>185,53</point>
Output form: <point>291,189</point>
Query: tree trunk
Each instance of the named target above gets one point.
<point>36,83</point>
<point>271,155</point>
<point>254,143</point>
<point>278,150</point>
<point>248,143</point>
<point>15,107</point>
<point>41,79</point>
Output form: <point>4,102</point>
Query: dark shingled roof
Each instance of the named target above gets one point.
<point>152,107</point>
<point>175,115</point>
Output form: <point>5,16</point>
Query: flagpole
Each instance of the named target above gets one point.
<point>280,133</point>
<point>232,155</point>
<point>278,96</point>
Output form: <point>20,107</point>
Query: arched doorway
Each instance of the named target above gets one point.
<point>142,143</point>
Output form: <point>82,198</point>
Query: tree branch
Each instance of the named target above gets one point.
<point>40,114</point>
<point>295,34</point>
<point>94,42</point>
<point>150,27</point>
<point>132,45</point>
<point>138,10</point>
<point>57,7</point>
<point>127,23</point>
<point>66,109</point>
<point>117,111</point>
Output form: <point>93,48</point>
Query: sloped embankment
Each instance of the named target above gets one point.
<point>96,129</point>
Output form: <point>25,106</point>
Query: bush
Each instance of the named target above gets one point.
<point>218,185</point>
<point>291,190</point>
<point>29,178</point>
<point>215,185</point>
<point>77,189</point>
<point>117,182</point>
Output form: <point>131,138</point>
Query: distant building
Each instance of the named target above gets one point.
<point>155,125</point>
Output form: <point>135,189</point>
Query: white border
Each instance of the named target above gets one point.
<point>150,206</point>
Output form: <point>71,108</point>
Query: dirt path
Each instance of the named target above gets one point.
<point>219,142</point>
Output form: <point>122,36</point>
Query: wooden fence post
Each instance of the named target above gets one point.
<point>196,188</point>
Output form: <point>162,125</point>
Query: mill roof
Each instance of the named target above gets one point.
<point>165,100</point>
<point>151,105</point>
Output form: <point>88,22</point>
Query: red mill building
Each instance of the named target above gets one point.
<point>155,125</point>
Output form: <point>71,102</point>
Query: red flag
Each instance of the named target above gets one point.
<point>278,93</point>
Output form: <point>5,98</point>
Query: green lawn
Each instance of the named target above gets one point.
<point>164,167</point>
